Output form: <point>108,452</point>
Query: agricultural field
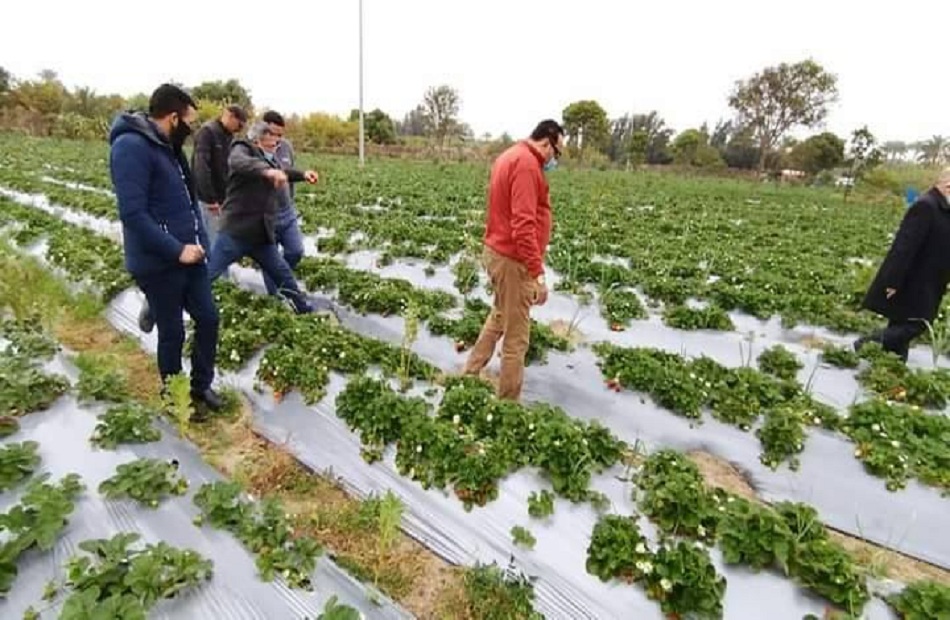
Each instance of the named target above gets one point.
<point>698,439</point>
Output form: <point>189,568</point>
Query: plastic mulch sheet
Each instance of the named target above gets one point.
<point>235,592</point>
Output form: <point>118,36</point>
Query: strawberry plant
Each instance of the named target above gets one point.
<point>897,442</point>
<point>674,496</point>
<point>370,293</point>
<point>923,600</point>
<point>523,537</point>
<point>618,550</point>
<point>541,505</point>
<point>265,530</point>
<point>25,388</point>
<point>474,440</point>
<point>147,481</point>
<point>303,357</point>
<point>754,535</point>
<point>711,317</point>
<point>619,307</point>
<point>803,521</point>
<point>888,376</point>
<point>36,521</point>
<point>826,569</point>
<point>840,357</point>
<point>100,378</point>
<point>125,423</point>
<point>333,610</point>
<point>28,339</point>
<point>18,461</point>
<point>779,362</point>
<point>114,580</point>
<point>685,582</point>
<point>782,436</point>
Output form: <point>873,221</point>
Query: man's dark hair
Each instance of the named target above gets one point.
<point>547,129</point>
<point>238,112</point>
<point>273,117</point>
<point>169,99</point>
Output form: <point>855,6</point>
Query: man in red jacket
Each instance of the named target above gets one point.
<point>516,238</point>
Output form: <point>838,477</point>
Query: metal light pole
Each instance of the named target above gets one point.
<point>362,139</point>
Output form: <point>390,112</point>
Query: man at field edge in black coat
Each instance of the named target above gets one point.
<point>913,278</point>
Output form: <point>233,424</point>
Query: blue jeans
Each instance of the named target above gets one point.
<point>228,250</point>
<point>211,221</point>
<point>169,293</point>
<point>290,239</point>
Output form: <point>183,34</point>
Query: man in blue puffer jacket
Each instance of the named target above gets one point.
<point>163,235</point>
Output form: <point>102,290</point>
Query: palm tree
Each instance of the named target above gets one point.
<point>933,151</point>
<point>896,150</point>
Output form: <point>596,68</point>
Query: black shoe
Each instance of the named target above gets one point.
<point>146,320</point>
<point>209,398</point>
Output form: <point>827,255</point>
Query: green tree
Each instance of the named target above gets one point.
<point>224,92</point>
<point>379,127</point>
<point>586,125</point>
<point>818,153</point>
<point>441,105</point>
<point>637,147</point>
<point>45,96</point>
<point>863,156</point>
<point>138,101</point>
<point>691,148</point>
<point>783,97</point>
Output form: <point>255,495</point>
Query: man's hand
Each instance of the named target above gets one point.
<point>277,177</point>
<point>311,177</point>
<point>890,292</point>
<point>540,291</point>
<point>214,208</point>
<point>191,254</point>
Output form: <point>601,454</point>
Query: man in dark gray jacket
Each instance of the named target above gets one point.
<point>210,163</point>
<point>287,228</point>
<point>255,183</point>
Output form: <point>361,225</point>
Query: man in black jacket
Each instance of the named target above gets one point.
<point>912,280</point>
<point>210,163</point>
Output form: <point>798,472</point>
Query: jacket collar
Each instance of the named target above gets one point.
<point>939,198</point>
<point>537,154</point>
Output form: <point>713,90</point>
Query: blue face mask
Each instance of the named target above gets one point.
<point>550,165</point>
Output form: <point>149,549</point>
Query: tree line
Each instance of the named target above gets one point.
<point>768,106</point>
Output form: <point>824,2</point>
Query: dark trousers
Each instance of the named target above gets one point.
<point>228,250</point>
<point>290,240</point>
<point>897,336</point>
<point>184,289</point>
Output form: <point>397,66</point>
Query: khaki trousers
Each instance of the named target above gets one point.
<point>510,318</point>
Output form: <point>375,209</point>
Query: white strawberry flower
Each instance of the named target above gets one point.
<point>456,419</point>
<point>641,548</point>
<point>666,585</point>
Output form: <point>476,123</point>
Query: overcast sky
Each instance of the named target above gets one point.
<point>513,61</point>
